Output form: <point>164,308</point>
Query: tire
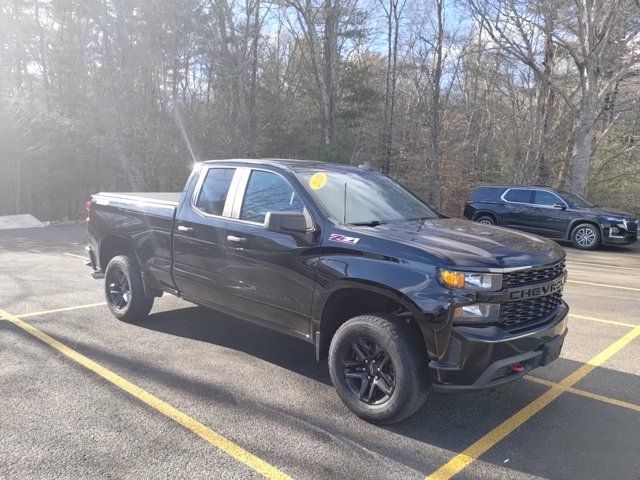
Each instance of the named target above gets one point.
<point>124,290</point>
<point>405,368</point>
<point>486,219</point>
<point>585,236</point>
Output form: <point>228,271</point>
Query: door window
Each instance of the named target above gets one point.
<point>268,192</point>
<point>518,195</point>
<point>213,194</point>
<point>545,198</point>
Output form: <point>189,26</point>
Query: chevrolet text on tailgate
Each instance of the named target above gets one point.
<point>400,299</point>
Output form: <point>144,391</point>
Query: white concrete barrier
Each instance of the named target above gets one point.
<point>10,222</point>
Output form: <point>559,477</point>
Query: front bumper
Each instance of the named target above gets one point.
<point>620,240</point>
<point>480,357</point>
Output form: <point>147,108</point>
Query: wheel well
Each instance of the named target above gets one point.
<point>580,222</point>
<point>351,302</point>
<point>111,247</point>
<point>485,213</point>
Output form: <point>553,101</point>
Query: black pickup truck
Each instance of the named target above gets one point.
<point>400,299</point>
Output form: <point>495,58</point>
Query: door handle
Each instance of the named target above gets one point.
<point>237,240</point>
<point>184,229</point>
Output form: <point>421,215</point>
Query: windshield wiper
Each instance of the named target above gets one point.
<point>371,223</point>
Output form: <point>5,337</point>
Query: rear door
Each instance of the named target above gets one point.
<point>517,208</point>
<point>550,214</point>
<point>199,235</point>
<point>270,275</point>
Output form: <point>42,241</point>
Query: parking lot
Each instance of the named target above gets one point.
<point>192,393</point>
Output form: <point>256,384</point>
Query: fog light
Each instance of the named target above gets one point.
<point>615,230</point>
<point>479,312</point>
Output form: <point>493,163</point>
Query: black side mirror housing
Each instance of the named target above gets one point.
<point>560,206</point>
<point>285,222</point>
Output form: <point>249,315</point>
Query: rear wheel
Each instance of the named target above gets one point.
<point>124,290</point>
<point>585,237</point>
<point>378,367</point>
<point>486,219</point>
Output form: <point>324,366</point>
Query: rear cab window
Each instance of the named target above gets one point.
<point>212,195</point>
<point>518,195</point>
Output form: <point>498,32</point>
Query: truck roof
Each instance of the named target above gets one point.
<point>285,163</point>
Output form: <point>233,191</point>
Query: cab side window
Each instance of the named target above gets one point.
<point>518,195</point>
<point>213,194</point>
<point>268,192</point>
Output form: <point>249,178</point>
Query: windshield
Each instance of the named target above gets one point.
<point>575,201</point>
<point>371,197</point>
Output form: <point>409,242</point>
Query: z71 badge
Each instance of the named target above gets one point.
<point>337,237</point>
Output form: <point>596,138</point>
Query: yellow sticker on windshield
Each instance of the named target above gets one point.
<point>318,180</point>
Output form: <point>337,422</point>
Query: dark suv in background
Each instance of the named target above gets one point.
<point>551,213</point>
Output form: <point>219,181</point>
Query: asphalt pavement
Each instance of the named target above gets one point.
<point>193,393</point>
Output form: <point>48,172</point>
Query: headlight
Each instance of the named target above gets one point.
<point>471,281</point>
<point>614,219</point>
<point>479,312</point>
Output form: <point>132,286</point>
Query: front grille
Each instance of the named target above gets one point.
<point>519,313</point>
<point>632,227</point>
<point>532,275</point>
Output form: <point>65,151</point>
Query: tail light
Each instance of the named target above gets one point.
<point>87,207</point>
<point>467,203</point>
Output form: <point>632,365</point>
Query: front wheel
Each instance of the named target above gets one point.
<point>585,237</point>
<point>486,220</point>
<point>378,366</point>
<point>124,289</point>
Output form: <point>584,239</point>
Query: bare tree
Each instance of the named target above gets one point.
<point>601,38</point>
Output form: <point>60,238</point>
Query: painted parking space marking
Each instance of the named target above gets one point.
<point>73,255</point>
<point>611,267</point>
<point>605,285</point>
<point>479,447</point>
<point>204,432</point>
<point>584,393</point>
<point>602,320</point>
<point>65,309</point>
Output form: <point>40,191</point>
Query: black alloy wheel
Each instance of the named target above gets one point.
<point>119,290</point>
<point>369,371</point>
<point>378,366</point>
<point>127,297</point>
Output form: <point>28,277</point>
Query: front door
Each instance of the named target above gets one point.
<point>270,275</point>
<point>550,216</point>
<point>199,241</point>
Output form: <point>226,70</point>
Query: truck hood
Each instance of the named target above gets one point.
<point>462,243</point>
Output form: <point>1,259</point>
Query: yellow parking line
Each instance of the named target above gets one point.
<point>602,320</point>
<point>606,285</point>
<point>186,421</point>
<point>584,393</point>
<point>469,455</point>
<point>75,256</point>
<point>613,267</point>
<point>66,309</point>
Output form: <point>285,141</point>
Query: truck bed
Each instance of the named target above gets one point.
<point>167,198</point>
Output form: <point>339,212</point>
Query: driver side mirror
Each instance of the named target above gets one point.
<point>560,206</point>
<point>285,222</point>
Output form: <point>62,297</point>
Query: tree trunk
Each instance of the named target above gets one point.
<point>436,161</point>
<point>330,51</point>
<point>582,144</point>
<point>253,123</point>
<point>393,24</point>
